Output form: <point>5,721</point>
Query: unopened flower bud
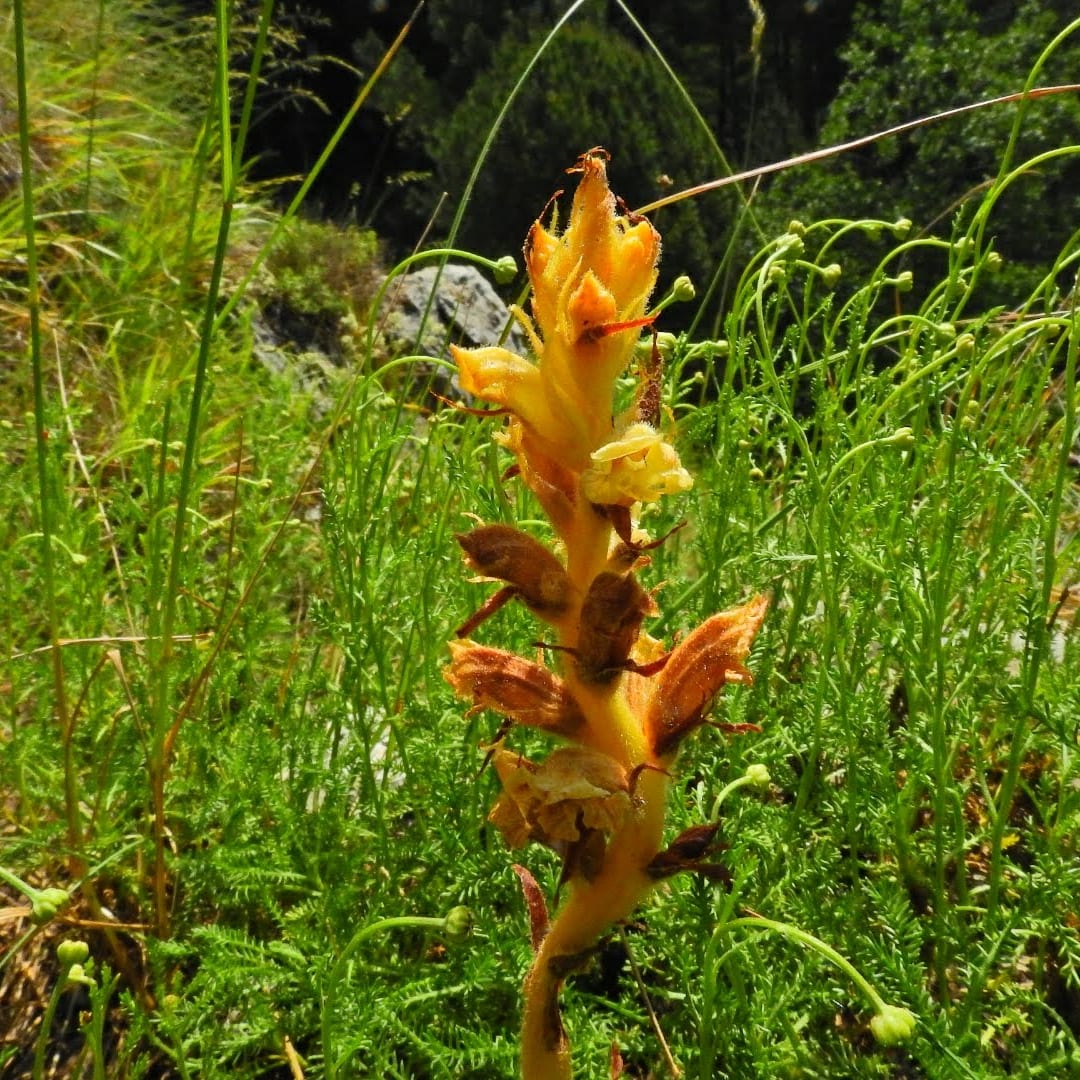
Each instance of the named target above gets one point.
<point>945,332</point>
<point>965,346</point>
<point>901,227</point>
<point>903,437</point>
<point>830,275</point>
<point>72,952</point>
<point>994,262</point>
<point>777,273</point>
<point>905,281</point>
<point>45,905</point>
<point>77,974</point>
<point>758,775</point>
<point>796,227</point>
<point>683,289</point>
<point>893,1025</point>
<point>459,924</point>
<point>505,270</point>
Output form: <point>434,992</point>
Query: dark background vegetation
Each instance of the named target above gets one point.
<point>769,81</point>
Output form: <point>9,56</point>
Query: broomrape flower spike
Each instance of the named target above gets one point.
<point>619,702</point>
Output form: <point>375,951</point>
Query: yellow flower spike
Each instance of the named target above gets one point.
<point>616,695</point>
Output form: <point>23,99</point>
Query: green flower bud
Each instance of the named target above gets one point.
<point>901,227</point>
<point>830,275</point>
<point>904,282</point>
<point>791,245</point>
<point>796,227</point>
<point>683,289</point>
<point>72,952</point>
<point>965,346</point>
<point>945,332</point>
<point>758,775</point>
<point>459,924</point>
<point>45,905</point>
<point>777,273</point>
<point>903,437</point>
<point>505,270</point>
<point>77,974</point>
<point>893,1025</point>
<point>756,474</point>
<point>994,262</point>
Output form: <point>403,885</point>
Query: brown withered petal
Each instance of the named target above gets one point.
<point>506,553</point>
<point>536,905</point>
<point>584,858</point>
<point>555,802</point>
<point>698,669</point>
<point>611,616</point>
<point>686,852</point>
<point>526,692</point>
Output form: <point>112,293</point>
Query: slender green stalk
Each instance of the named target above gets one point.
<point>1038,630</point>
<point>162,728</point>
<point>45,492</point>
<point>456,924</point>
<point>881,1008</point>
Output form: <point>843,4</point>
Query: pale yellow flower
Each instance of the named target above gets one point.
<point>639,466</point>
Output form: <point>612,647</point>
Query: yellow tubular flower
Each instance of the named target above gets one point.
<point>615,695</point>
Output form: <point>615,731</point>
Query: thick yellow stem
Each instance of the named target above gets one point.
<point>592,908</point>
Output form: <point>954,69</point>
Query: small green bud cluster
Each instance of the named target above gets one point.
<point>758,775</point>
<point>459,924</point>
<point>73,956</point>
<point>777,273</point>
<point>45,904</point>
<point>893,1025</point>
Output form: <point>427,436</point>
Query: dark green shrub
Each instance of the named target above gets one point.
<point>590,88</point>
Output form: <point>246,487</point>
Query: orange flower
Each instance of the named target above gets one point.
<point>590,285</point>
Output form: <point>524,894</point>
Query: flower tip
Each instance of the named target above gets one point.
<point>893,1025</point>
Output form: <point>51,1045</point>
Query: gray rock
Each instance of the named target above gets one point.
<point>426,312</point>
